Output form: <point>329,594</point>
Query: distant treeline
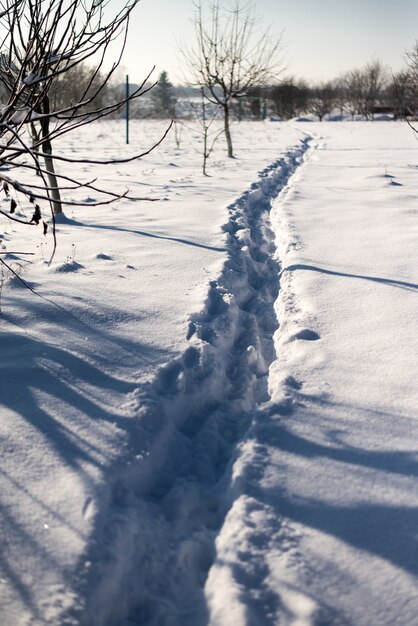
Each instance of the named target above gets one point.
<point>368,91</point>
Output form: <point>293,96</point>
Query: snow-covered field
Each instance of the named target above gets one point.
<point>209,407</point>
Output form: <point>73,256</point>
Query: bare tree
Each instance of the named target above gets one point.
<point>411,96</point>
<point>72,86</point>
<point>355,90</point>
<point>374,81</point>
<point>229,56</point>
<point>402,94</point>
<point>42,42</point>
<point>341,95</point>
<point>403,90</point>
<point>289,98</point>
<point>364,88</point>
<point>256,102</point>
<point>322,100</point>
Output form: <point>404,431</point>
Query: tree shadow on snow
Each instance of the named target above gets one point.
<point>376,279</point>
<point>144,233</point>
<point>61,421</point>
<point>378,509</point>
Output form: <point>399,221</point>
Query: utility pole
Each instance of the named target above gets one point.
<point>127,108</point>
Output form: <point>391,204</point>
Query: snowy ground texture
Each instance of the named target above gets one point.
<point>209,408</point>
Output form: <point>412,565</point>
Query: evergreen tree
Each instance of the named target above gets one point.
<point>164,97</point>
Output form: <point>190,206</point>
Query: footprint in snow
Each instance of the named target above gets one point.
<point>306,335</point>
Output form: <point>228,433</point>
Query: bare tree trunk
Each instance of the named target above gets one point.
<point>48,158</point>
<point>52,179</point>
<point>228,132</point>
<point>35,142</point>
<point>205,150</point>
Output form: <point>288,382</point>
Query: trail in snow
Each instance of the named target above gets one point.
<point>157,545</point>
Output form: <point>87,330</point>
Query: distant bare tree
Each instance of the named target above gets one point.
<point>256,96</point>
<point>355,90</point>
<point>229,58</point>
<point>412,61</point>
<point>289,98</point>
<point>79,83</point>
<point>322,100</point>
<point>364,88</point>
<point>404,89</point>
<point>374,81</point>
<point>43,42</point>
<point>402,94</point>
<point>341,95</point>
<point>412,58</point>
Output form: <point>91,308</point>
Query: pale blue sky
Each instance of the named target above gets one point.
<point>322,38</point>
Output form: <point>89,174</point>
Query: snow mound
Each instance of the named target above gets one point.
<point>68,267</point>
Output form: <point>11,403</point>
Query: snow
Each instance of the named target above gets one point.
<point>209,407</point>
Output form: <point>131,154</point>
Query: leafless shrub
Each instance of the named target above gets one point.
<point>206,116</point>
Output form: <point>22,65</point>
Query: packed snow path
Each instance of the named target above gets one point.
<point>203,403</point>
